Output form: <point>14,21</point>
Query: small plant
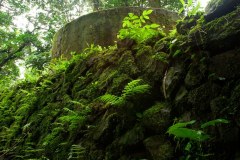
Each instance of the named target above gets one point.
<point>135,27</point>
<point>77,152</point>
<point>93,48</point>
<point>74,119</point>
<point>194,137</point>
<point>131,89</point>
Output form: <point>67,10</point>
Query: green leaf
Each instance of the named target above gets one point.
<point>214,122</point>
<point>142,19</point>
<point>176,53</point>
<point>194,10</point>
<point>146,17</point>
<point>182,2</point>
<point>134,17</point>
<point>154,25</point>
<point>188,147</point>
<point>147,12</point>
<point>180,125</point>
<point>190,134</point>
<point>180,11</point>
<point>130,15</point>
<point>190,2</point>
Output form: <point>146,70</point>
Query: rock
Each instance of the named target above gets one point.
<point>104,132</point>
<point>218,8</point>
<point>182,92</point>
<point>218,107</point>
<point>226,65</point>
<point>101,28</point>
<point>161,46</point>
<point>194,76</point>
<point>183,27</point>
<point>180,102</point>
<point>200,97</point>
<point>132,137</point>
<point>125,43</point>
<point>217,36</point>
<point>127,65</point>
<point>159,147</point>
<point>235,103</point>
<point>152,68</point>
<point>157,118</point>
<point>172,79</point>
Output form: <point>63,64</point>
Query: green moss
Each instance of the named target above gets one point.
<point>126,64</point>
<point>118,84</point>
<point>132,137</point>
<point>157,118</point>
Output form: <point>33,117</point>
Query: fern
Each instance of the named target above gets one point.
<point>77,152</point>
<point>132,89</point>
<point>112,99</point>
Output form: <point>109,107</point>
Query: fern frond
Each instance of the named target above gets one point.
<point>112,99</point>
<point>137,90</point>
<point>69,111</point>
<point>131,89</point>
<point>131,85</point>
<point>135,87</point>
<point>77,152</point>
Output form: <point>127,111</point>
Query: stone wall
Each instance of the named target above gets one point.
<point>101,28</point>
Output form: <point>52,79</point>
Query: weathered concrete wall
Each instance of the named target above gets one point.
<point>101,28</point>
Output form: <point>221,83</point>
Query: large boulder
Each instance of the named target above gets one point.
<point>101,28</point>
<point>218,8</point>
<point>225,65</point>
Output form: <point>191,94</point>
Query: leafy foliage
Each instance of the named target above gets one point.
<point>213,123</point>
<point>174,5</point>
<point>134,28</point>
<point>73,119</point>
<point>195,137</point>
<point>132,89</point>
<point>179,130</point>
<point>77,152</point>
<point>190,7</point>
<point>112,99</point>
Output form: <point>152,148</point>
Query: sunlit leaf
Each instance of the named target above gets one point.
<point>182,2</point>
<point>154,25</point>
<point>147,12</point>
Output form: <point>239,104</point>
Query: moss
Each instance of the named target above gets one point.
<point>132,137</point>
<point>200,98</point>
<point>234,100</point>
<point>157,118</point>
<point>159,147</point>
<point>219,107</point>
<point>118,84</point>
<point>126,64</point>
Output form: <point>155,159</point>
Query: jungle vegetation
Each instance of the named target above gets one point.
<point>30,47</point>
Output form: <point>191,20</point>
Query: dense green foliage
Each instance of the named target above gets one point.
<point>193,147</point>
<point>134,28</point>
<point>64,109</point>
<point>132,89</point>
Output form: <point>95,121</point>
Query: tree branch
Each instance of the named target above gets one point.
<point>12,55</point>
